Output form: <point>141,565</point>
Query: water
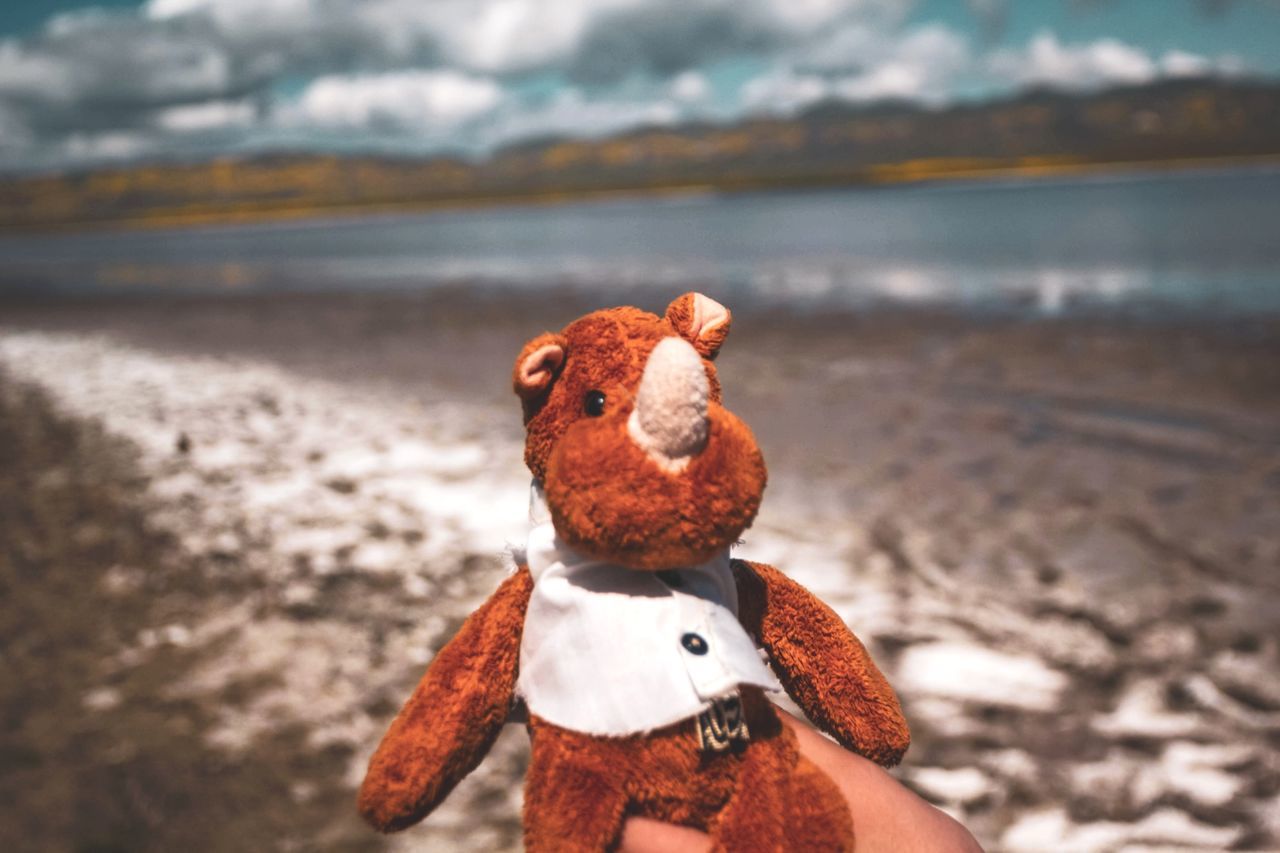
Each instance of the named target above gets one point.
<point>1196,242</point>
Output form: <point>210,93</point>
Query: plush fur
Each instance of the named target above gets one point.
<point>610,499</point>
<point>449,723</point>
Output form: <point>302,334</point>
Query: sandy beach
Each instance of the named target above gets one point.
<point>237,528</point>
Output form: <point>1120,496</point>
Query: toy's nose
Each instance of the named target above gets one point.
<point>669,420</point>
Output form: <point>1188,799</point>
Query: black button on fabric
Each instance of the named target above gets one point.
<point>694,643</point>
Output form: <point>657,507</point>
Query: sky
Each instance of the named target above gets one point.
<point>123,80</point>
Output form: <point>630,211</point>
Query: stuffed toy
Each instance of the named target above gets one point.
<point>640,651</point>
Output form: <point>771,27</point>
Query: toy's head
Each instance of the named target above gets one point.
<point>640,463</point>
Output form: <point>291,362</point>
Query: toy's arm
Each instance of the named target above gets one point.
<point>821,663</point>
<point>452,719</point>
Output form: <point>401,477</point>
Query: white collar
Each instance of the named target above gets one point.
<point>610,650</point>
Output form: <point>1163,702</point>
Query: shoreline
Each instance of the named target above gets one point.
<point>881,176</point>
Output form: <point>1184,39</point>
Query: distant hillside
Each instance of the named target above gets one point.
<point>832,143</point>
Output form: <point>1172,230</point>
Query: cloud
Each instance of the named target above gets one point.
<point>1179,63</point>
<point>690,87</point>
<point>520,35</point>
<point>858,64</point>
<point>665,37</point>
<point>27,74</point>
<point>115,145</point>
<point>847,48</point>
<point>1046,61</point>
<point>211,115</point>
<point>923,66</point>
<point>417,99</point>
<point>572,112</point>
<point>229,11</point>
<point>783,91</point>
<point>593,41</point>
<point>15,136</point>
<point>96,71</point>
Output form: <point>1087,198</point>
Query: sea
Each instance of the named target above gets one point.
<point>1204,243</point>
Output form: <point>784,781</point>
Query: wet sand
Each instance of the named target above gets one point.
<point>1060,537</point>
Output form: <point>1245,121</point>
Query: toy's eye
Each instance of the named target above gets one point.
<point>593,403</point>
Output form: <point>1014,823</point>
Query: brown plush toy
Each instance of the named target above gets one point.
<point>632,638</point>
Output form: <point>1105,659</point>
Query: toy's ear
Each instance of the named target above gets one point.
<point>701,321</point>
<point>538,365</point>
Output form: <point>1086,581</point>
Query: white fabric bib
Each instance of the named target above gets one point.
<point>609,650</point>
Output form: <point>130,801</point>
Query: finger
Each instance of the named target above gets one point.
<point>642,835</point>
<point>886,815</point>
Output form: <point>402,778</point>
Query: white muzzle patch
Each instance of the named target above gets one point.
<point>669,421</point>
